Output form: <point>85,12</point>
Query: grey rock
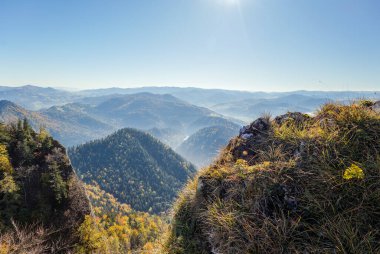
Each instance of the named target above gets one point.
<point>260,125</point>
<point>246,135</point>
<point>297,117</point>
<point>376,107</point>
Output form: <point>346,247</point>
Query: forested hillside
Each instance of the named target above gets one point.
<point>39,191</point>
<point>44,208</point>
<point>116,228</point>
<point>134,167</point>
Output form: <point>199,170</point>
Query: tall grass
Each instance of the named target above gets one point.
<point>310,186</point>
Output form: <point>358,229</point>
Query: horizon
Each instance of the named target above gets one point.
<point>69,89</point>
<point>212,44</point>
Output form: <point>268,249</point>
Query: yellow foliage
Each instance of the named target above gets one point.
<point>5,164</point>
<point>266,163</point>
<point>93,237</point>
<point>353,171</point>
<point>4,248</point>
<point>43,134</point>
<point>148,247</point>
<point>241,163</point>
<point>3,150</point>
<point>8,185</point>
<point>117,228</point>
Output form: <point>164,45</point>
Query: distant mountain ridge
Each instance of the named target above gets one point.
<point>35,97</point>
<point>171,114</point>
<point>147,110</point>
<point>253,108</point>
<point>63,123</point>
<point>75,123</point>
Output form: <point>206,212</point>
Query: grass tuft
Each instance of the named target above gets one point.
<point>306,185</point>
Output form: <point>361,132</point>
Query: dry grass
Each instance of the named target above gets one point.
<point>32,239</point>
<point>287,192</point>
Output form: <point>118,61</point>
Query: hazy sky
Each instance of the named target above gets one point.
<point>235,44</point>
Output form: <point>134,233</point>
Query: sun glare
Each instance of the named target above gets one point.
<point>229,2</point>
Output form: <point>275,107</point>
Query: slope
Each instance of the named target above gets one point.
<point>146,111</point>
<point>134,167</point>
<point>39,190</point>
<point>116,228</point>
<point>68,123</point>
<point>294,184</point>
<point>34,97</point>
<point>204,145</point>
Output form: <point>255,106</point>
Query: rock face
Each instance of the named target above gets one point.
<point>41,187</point>
<point>294,184</point>
<point>259,126</point>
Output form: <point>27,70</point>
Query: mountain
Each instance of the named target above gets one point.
<point>210,97</point>
<point>253,108</point>
<point>280,103</point>
<point>44,207</point>
<point>68,123</point>
<point>134,167</point>
<point>146,111</point>
<point>243,105</point>
<point>11,113</point>
<point>34,97</point>
<point>292,184</point>
<point>197,96</point>
<point>203,146</point>
<point>167,118</point>
<point>72,125</point>
<point>39,191</point>
<point>164,116</point>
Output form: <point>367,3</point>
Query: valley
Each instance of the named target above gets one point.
<point>152,173</point>
<point>189,127</point>
<point>171,114</point>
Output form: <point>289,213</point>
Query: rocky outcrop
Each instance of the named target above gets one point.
<point>376,106</point>
<point>292,117</point>
<point>294,184</point>
<point>42,188</point>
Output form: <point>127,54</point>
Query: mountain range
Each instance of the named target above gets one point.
<point>293,183</point>
<point>65,123</point>
<point>75,123</point>
<point>171,114</point>
<point>35,97</point>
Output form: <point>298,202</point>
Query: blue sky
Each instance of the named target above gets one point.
<point>264,45</point>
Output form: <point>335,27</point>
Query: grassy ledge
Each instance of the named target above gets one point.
<point>293,184</point>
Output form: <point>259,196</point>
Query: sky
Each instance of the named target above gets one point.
<point>255,45</point>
